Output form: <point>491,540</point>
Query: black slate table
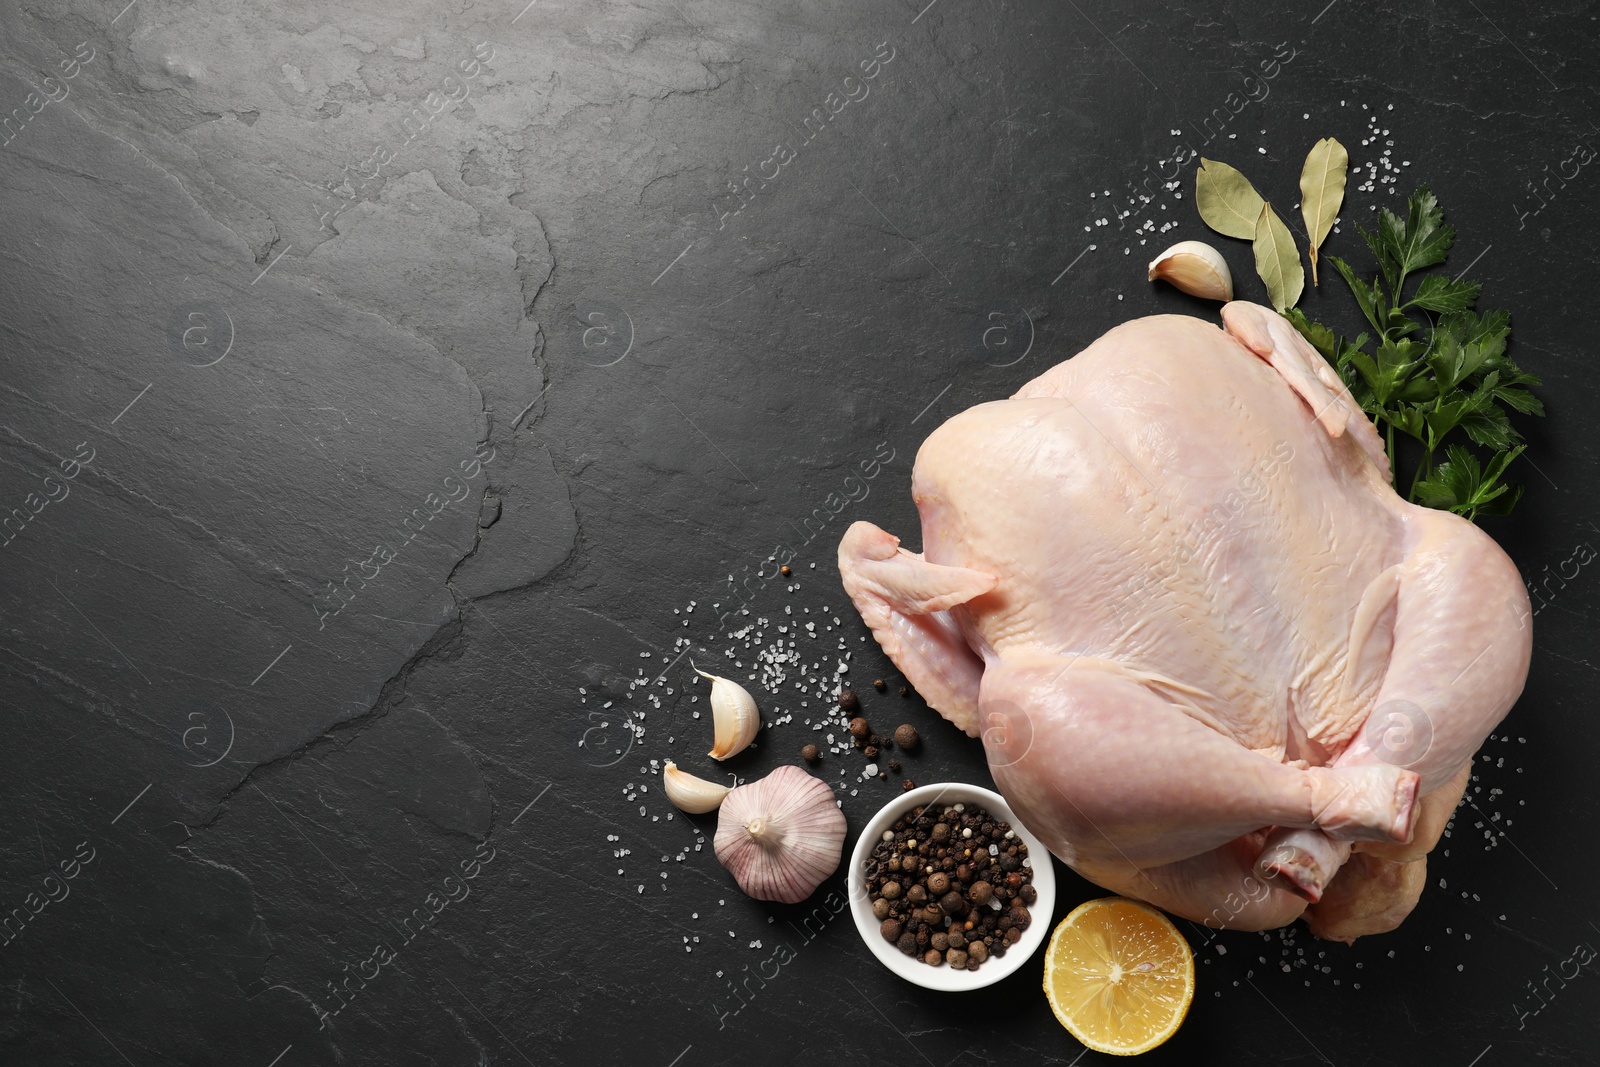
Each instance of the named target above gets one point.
<point>398,398</point>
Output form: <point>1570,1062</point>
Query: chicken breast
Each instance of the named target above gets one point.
<point>1209,650</point>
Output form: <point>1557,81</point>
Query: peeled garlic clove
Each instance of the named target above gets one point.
<point>693,795</point>
<point>1196,268</point>
<point>780,836</point>
<point>733,714</point>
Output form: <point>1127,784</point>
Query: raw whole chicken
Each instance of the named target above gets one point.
<point>1216,661</point>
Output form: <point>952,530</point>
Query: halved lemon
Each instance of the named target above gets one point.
<point>1119,976</point>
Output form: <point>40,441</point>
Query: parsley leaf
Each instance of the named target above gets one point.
<point>1438,293</point>
<point>1434,370</point>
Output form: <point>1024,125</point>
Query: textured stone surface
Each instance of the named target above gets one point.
<point>620,306</point>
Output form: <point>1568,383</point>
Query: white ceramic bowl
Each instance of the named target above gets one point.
<point>912,969</point>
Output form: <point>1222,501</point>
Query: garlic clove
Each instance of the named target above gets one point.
<point>1196,268</point>
<point>734,716</point>
<point>780,836</point>
<point>693,795</point>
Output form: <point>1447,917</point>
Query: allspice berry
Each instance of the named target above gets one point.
<point>905,735</point>
<point>859,728</point>
<point>951,902</point>
<point>810,754</point>
<point>879,684</point>
<point>849,701</point>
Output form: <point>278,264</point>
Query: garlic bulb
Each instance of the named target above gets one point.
<point>780,836</point>
<point>1196,268</point>
<point>693,795</point>
<point>733,714</point>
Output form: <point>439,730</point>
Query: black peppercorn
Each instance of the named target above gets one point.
<point>907,786</point>
<point>849,701</point>
<point>871,752</point>
<point>894,765</point>
<point>879,684</point>
<point>905,691</point>
<point>947,891</point>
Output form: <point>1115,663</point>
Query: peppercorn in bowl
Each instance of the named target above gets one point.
<point>948,889</point>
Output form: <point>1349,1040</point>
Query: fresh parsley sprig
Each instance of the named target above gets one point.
<point>1434,369</point>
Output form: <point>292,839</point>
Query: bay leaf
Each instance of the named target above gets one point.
<point>1278,260</point>
<point>1227,201</point>
<point>1322,192</point>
